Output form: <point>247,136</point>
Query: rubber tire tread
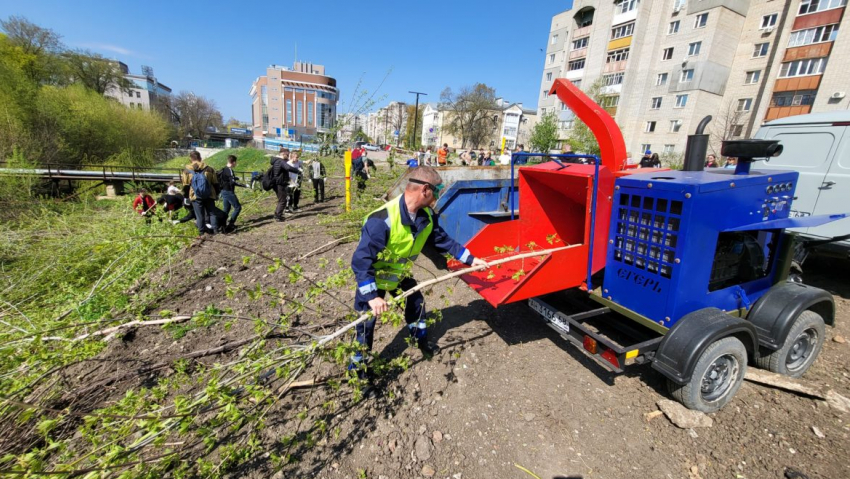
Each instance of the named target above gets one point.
<point>774,361</point>
<point>689,394</point>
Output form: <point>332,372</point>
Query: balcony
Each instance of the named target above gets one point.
<point>581,32</point>
<point>826,17</point>
<point>816,50</point>
<point>620,18</point>
<point>611,89</point>
<point>580,53</point>
<point>574,74</point>
<point>614,67</point>
<point>809,82</point>
<point>783,111</point>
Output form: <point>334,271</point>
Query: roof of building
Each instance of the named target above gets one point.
<point>824,117</point>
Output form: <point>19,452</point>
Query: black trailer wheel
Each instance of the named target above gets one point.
<point>717,376</point>
<point>801,348</point>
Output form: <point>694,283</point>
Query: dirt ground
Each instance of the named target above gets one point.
<point>505,397</point>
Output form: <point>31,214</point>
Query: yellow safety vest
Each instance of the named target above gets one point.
<point>402,249</point>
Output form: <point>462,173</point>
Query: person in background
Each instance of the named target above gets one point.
<point>200,185</point>
<point>173,189</point>
<point>442,155</point>
<point>143,204</point>
<point>428,155</point>
<point>521,160</point>
<point>711,162</point>
<point>280,179</point>
<point>656,161</point>
<point>361,171</point>
<point>649,160</point>
<point>317,175</point>
<point>473,157</point>
<point>413,162</point>
<point>505,157</point>
<point>295,177</point>
<point>731,162</point>
<point>392,237</point>
<point>488,159</point>
<point>420,157</point>
<point>481,158</point>
<point>170,204</point>
<point>228,181</point>
<point>465,158</point>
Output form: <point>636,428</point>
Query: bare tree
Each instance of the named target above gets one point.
<point>194,114</point>
<point>470,110</point>
<point>95,72</point>
<point>729,125</point>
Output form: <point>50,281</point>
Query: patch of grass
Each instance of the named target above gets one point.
<point>249,159</point>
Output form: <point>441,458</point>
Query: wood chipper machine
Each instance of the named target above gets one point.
<point>687,270</point>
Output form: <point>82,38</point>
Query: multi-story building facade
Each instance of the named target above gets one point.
<point>145,91</point>
<point>389,124</point>
<point>293,102</point>
<point>510,122</point>
<point>665,65</point>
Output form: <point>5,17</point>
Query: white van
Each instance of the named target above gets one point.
<point>818,146</point>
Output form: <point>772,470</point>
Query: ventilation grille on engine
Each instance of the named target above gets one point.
<point>647,233</point>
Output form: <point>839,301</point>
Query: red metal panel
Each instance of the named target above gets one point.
<point>611,144</point>
<point>812,20</point>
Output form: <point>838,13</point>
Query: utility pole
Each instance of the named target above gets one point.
<point>416,116</point>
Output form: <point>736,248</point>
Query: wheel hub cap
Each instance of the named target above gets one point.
<point>719,377</point>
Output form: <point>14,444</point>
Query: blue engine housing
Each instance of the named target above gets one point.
<point>681,241</point>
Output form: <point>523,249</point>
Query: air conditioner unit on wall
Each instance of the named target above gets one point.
<point>768,30</point>
<point>838,95</point>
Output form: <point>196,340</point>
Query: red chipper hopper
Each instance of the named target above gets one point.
<point>555,206</point>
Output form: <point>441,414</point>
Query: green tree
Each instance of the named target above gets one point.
<point>413,138</point>
<point>469,113</point>
<point>581,139</point>
<point>95,72</point>
<point>37,49</point>
<point>360,135</point>
<point>544,135</point>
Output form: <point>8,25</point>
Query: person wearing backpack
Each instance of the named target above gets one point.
<point>229,181</point>
<point>200,185</point>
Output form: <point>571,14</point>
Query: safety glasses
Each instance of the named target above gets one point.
<point>435,188</point>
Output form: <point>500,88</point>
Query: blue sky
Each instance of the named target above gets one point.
<point>217,49</point>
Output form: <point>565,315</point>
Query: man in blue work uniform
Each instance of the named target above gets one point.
<point>391,239</point>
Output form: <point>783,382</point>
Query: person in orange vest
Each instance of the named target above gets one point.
<point>442,154</point>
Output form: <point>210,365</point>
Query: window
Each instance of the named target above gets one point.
<point>580,43</point>
<point>687,76</point>
<point>554,40</point>
<point>650,127</point>
<point>681,101</point>
<point>811,66</point>
<point>575,65</point>
<point>617,55</point>
<point>675,126</point>
<point>768,21</point>
<point>812,6</point>
<point>701,20</point>
<point>132,105</point>
<point>645,147</point>
<point>299,112</point>
<point>825,33</point>
<point>549,76</point>
<point>545,93</point>
<point>667,53</point>
<point>309,112</point>
<point>624,6</point>
<point>789,98</point>
<point>610,101</point>
<point>289,111</point>
<point>576,83</point>
<point>611,80</point>
<point>760,50</point>
<point>753,77</point>
<point>669,148</point>
<point>661,79</point>
<point>656,103</point>
<point>745,104</point>
<point>138,94</point>
<point>737,130</point>
<point>551,58</point>
<point>694,48</point>
<point>673,28</point>
<point>626,30</point>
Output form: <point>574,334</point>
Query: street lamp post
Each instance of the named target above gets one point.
<point>416,116</point>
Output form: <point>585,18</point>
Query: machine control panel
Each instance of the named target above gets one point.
<point>777,202</point>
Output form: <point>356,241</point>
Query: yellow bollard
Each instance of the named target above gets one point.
<point>348,180</point>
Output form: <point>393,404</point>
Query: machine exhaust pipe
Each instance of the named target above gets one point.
<point>697,147</point>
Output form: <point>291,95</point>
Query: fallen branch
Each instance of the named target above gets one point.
<point>110,333</point>
<point>334,242</point>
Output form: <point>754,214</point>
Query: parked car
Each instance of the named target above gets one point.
<point>371,147</point>
<point>818,146</point>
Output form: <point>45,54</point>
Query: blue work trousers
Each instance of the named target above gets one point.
<point>414,314</point>
<point>228,200</point>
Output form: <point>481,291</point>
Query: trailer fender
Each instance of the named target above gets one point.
<point>683,345</point>
<point>774,313</point>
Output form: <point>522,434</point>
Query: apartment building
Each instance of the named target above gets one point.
<point>664,65</point>
<point>292,103</point>
<point>389,124</point>
<point>509,122</point>
<point>145,91</point>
